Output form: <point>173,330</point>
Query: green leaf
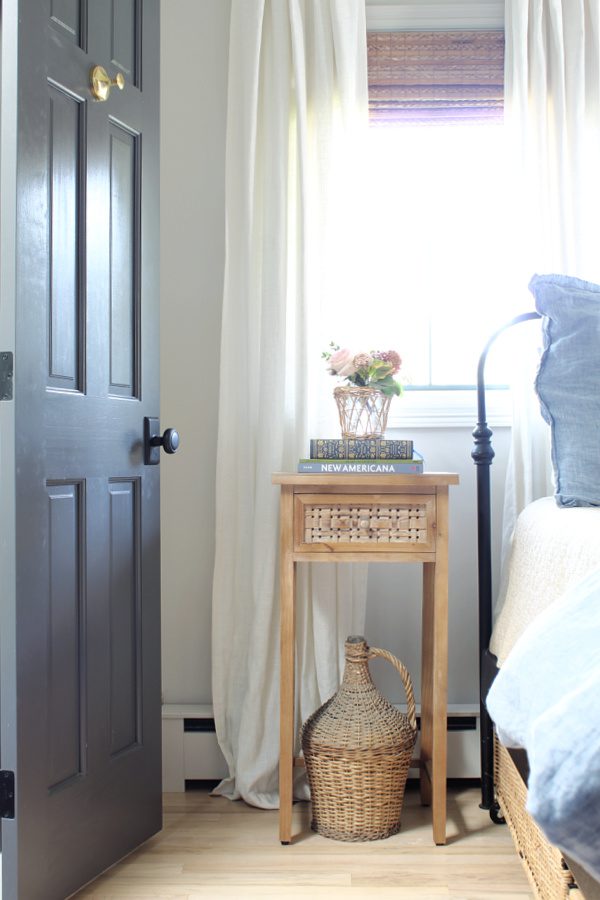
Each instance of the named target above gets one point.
<point>380,364</point>
<point>389,387</point>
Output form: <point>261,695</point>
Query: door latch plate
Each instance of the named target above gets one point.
<point>7,794</point>
<point>6,375</point>
<point>151,429</point>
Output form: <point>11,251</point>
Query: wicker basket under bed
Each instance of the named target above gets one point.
<point>358,750</point>
<point>548,873</point>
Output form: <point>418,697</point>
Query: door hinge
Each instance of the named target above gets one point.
<point>6,375</point>
<point>7,794</point>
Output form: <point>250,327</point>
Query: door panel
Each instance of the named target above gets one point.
<point>66,638</point>
<point>85,680</point>
<point>125,196</point>
<point>125,614</point>
<point>66,225</point>
<point>125,37</point>
<point>67,17</point>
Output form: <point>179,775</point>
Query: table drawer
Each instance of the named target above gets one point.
<point>343,522</point>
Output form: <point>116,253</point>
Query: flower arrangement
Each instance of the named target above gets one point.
<point>375,369</point>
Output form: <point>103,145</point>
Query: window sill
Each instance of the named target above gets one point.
<point>434,15</point>
<point>448,409</point>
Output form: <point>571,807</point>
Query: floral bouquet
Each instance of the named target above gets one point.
<point>375,369</point>
<point>364,401</point>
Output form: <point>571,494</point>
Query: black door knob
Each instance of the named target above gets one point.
<point>153,441</point>
<point>169,441</point>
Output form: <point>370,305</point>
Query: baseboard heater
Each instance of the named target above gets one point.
<point>203,725</point>
<point>455,723</point>
<point>191,752</point>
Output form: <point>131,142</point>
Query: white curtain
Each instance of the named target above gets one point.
<point>297,113</point>
<point>552,108</point>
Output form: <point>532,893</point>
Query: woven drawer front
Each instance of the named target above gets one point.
<point>381,524</point>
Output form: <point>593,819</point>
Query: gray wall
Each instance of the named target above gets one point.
<point>193,94</point>
<point>194,82</point>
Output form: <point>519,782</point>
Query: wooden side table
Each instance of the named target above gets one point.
<point>370,518</point>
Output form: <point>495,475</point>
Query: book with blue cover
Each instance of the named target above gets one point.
<point>360,448</point>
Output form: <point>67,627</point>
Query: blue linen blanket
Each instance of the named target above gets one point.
<point>546,699</point>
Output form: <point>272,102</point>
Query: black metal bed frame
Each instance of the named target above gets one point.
<point>482,455</point>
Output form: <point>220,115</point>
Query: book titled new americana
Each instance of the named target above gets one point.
<point>360,449</point>
<point>412,466</point>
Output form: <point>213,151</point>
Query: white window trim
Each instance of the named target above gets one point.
<point>448,409</point>
<point>441,15</point>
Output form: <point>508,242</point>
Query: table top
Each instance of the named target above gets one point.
<point>427,479</point>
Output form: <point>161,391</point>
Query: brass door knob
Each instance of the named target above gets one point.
<point>101,82</point>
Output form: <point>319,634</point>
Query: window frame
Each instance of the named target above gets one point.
<point>440,15</point>
<point>447,407</point>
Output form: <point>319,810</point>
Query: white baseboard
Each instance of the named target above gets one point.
<point>189,755</point>
<point>195,754</point>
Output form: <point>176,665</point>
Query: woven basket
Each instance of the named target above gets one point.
<point>358,748</point>
<point>548,873</point>
<point>363,411</point>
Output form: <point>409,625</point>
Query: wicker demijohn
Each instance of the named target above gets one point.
<point>358,748</point>
<point>363,411</point>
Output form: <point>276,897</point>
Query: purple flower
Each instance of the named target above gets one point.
<point>391,357</point>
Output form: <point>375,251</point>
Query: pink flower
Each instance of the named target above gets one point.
<point>342,363</point>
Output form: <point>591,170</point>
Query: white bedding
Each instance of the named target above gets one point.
<point>552,549</point>
<point>546,699</point>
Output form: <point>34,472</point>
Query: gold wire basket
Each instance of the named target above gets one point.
<point>358,749</point>
<point>363,411</point>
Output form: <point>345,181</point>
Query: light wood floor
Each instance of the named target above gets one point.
<point>211,847</point>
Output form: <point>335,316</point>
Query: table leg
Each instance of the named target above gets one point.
<point>433,697</point>
<point>439,711</point>
<point>427,683</point>
<point>435,676</point>
<point>287,601</point>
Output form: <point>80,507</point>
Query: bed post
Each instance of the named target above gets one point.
<point>482,455</point>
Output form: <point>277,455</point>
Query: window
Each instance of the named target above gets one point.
<point>437,207</point>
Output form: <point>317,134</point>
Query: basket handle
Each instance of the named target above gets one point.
<point>406,681</point>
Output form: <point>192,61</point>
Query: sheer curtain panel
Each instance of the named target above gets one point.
<point>552,116</point>
<point>297,112</point>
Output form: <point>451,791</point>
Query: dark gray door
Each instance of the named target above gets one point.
<point>81,678</point>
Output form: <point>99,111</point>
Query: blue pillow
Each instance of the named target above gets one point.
<point>568,383</point>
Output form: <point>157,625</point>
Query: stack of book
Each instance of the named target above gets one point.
<point>351,456</point>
